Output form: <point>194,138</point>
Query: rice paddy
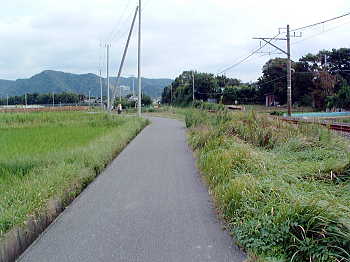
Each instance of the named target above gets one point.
<point>44,155</point>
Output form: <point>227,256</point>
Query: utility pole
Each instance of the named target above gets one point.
<point>139,61</point>
<point>121,91</point>
<point>53,99</point>
<point>89,98</point>
<point>193,86</point>
<point>289,74</point>
<point>101,89</point>
<point>268,40</point>
<point>108,98</point>
<point>171,95</point>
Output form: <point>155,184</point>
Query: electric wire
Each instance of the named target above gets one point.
<point>114,33</point>
<point>320,23</point>
<point>249,56</point>
<point>145,5</point>
<point>323,32</point>
<point>270,81</point>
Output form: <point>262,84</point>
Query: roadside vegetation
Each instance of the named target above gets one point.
<point>45,156</point>
<point>282,189</point>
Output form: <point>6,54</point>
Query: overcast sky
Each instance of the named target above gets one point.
<point>206,35</point>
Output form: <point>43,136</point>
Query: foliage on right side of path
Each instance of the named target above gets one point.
<point>282,189</point>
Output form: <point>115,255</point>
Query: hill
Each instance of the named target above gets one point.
<point>58,82</point>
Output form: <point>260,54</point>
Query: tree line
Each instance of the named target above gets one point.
<point>320,80</point>
<point>68,98</point>
<point>44,99</point>
<point>207,86</point>
<point>128,103</point>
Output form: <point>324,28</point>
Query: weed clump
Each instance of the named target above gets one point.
<point>281,188</point>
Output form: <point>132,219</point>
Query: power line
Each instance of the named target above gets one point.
<point>270,81</point>
<point>326,31</point>
<point>249,56</point>
<point>320,23</point>
<point>145,5</point>
<point>124,55</point>
<point>268,42</point>
<point>259,83</point>
<point>118,26</point>
<point>121,33</point>
<point>329,71</point>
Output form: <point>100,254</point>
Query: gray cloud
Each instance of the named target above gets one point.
<point>207,35</point>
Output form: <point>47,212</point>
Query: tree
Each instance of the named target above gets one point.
<point>302,84</point>
<point>125,102</point>
<point>338,61</point>
<point>45,99</point>
<point>341,99</point>
<point>323,81</point>
<point>206,86</point>
<point>324,84</point>
<point>242,94</point>
<point>146,100</point>
<point>274,79</point>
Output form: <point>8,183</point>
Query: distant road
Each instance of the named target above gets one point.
<point>149,205</point>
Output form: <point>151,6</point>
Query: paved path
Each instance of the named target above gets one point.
<point>149,205</point>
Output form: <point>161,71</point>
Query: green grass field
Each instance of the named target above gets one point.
<point>282,189</point>
<point>45,155</point>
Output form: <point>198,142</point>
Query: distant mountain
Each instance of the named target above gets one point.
<point>58,82</point>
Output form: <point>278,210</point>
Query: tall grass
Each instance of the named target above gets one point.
<point>45,155</point>
<point>282,189</point>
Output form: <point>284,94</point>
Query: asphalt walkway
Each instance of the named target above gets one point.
<point>149,205</point>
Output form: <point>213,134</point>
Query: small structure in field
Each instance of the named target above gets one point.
<point>236,108</point>
<point>212,100</point>
<point>270,99</point>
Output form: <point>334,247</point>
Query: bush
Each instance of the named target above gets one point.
<point>208,106</point>
<point>277,113</point>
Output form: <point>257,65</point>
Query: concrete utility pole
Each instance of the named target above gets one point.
<point>139,61</point>
<point>121,92</point>
<point>101,89</point>
<point>289,74</point>
<point>268,40</point>
<point>171,95</point>
<point>193,86</point>
<point>108,87</point>
<point>89,98</point>
<point>124,56</point>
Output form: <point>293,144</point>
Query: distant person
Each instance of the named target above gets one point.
<point>120,109</point>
